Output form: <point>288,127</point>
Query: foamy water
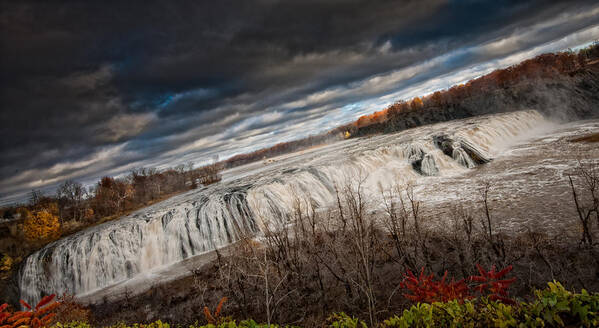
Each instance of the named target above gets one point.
<point>137,247</point>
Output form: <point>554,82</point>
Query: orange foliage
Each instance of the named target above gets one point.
<point>88,213</point>
<point>215,318</point>
<point>42,224</point>
<point>39,316</point>
<point>543,66</point>
<point>416,103</point>
<point>111,194</point>
<point>4,314</point>
<point>376,117</point>
<point>437,98</point>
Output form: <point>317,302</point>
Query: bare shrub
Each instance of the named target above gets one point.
<point>587,204</point>
<point>351,257</point>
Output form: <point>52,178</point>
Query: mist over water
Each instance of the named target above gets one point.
<point>264,193</point>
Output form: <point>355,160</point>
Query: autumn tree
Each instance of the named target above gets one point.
<point>416,103</point>
<point>437,98</point>
<point>210,173</point>
<point>140,180</point>
<point>362,121</point>
<point>71,195</point>
<point>111,194</point>
<point>6,263</point>
<point>41,224</point>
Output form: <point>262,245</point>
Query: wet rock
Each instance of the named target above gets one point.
<point>461,151</point>
<point>429,166</point>
<point>444,143</point>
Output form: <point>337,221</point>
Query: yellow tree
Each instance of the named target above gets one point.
<point>416,103</point>
<point>42,224</point>
<point>6,263</point>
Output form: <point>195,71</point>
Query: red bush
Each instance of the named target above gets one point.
<point>425,289</point>
<point>492,283</point>
<point>36,317</point>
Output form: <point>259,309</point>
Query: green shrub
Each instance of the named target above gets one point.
<point>160,324</point>
<point>554,306</point>
<point>74,324</point>
<point>558,307</point>
<point>342,320</point>
<point>232,324</point>
<point>77,324</point>
<point>482,313</point>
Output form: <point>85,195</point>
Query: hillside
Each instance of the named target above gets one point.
<point>564,86</point>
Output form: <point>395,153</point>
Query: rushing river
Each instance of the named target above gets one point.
<point>527,155</point>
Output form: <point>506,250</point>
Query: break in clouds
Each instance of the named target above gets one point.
<point>90,90</point>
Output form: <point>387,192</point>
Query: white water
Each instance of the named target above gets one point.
<point>252,196</point>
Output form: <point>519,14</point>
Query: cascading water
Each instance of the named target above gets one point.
<point>460,156</point>
<point>206,219</point>
<point>148,239</point>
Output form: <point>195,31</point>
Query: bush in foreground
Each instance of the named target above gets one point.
<point>160,324</point>
<point>552,307</point>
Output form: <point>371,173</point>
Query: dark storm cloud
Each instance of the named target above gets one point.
<point>99,88</point>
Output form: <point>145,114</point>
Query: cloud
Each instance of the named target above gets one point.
<point>123,126</point>
<point>160,84</point>
<point>84,81</point>
<point>39,178</point>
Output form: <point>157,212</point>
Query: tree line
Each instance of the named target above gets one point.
<point>458,101</point>
<point>458,97</point>
<point>74,206</point>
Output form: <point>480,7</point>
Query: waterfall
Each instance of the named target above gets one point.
<point>203,220</point>
<point>115,251</point>
<point>460,156</point>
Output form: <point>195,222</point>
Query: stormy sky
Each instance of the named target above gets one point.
<point>92,89</point>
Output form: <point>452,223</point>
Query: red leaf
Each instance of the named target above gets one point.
<point>482,272</point>
<point>507,281</point>
<point>36,323</point>
<point>492,272</point>
<point>504,272</point>
<point>48,318</point>
<point>21,321</point>
<point>45,300</point>
<point>25,304</point>
<point>478,278</point>
<point>19,315</point>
